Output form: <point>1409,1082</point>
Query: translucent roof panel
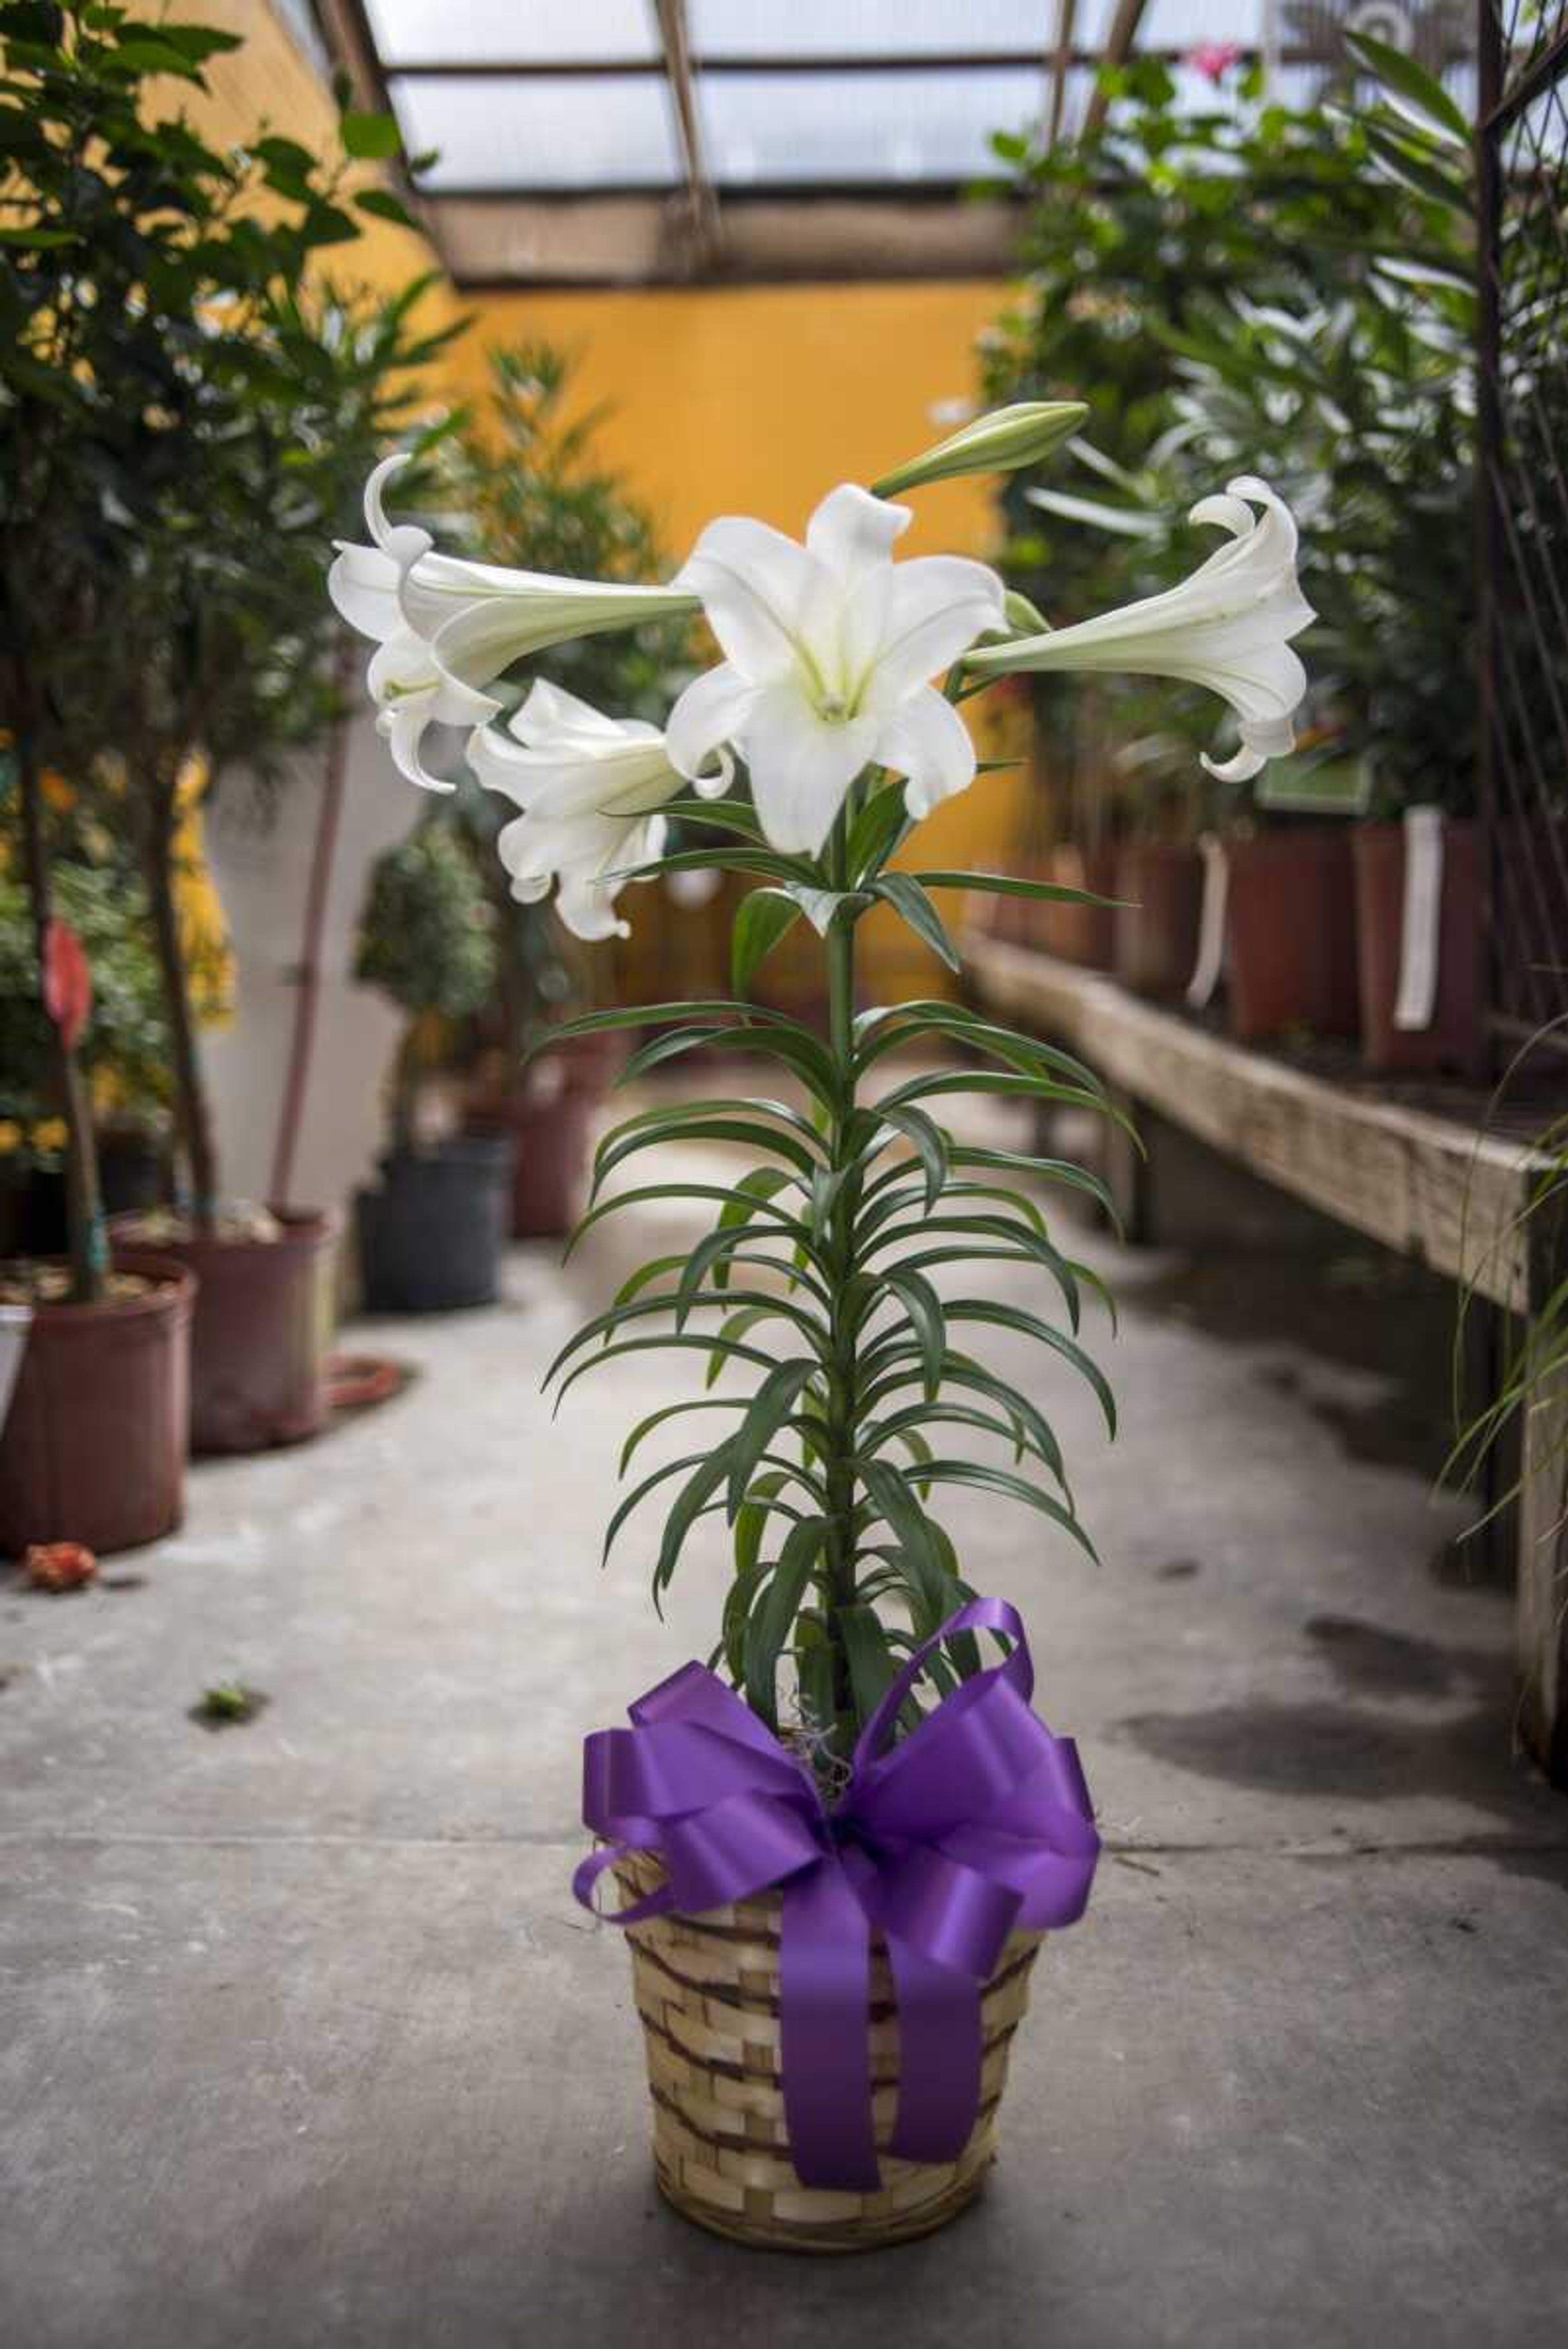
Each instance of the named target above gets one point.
<point>614,130</point>
<point>866,28</point>
<point>893,129</point>
<point>512,32</point>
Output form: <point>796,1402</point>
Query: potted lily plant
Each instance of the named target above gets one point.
<point>848,1813</point>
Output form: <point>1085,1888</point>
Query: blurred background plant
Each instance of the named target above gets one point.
<point>1250,288</point>
<point>427,941</point>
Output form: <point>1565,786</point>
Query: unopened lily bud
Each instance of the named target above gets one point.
<point>1000,442</point>
<point>1024,618</point>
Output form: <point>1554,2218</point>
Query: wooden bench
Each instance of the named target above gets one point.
<point>1430,1187</point>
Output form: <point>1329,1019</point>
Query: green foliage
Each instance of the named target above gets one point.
<point>1276,293</point>
<point>426,935</point>
<point>831,1270</point>
<point>186,413</point>
<point>125,1046</point>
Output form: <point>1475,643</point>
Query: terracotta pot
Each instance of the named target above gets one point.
<point>259,1334</point>
<point>1291,928</point>
<point>589,1065</point>
<point>1155,932</point>
<point>550,1130</point>
<point>1080,934</point>
<point>94,1444</point>
<point>432,1232</point>
<point>1456,1038</point>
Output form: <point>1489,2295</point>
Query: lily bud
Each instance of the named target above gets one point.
<point>1000,442</point>
<point>1024,618</point>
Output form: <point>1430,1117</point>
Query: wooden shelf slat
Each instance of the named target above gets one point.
<point>1429,1187</point>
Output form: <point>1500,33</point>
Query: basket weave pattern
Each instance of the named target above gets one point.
<point>707,1990</point>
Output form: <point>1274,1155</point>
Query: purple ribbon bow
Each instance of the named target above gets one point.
<point>978,1823</point>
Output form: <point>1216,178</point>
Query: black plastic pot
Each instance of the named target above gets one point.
<point>431,1235</point>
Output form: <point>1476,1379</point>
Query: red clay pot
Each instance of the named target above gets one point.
<point>259,1335</point>
<point>1155,931</point>
<point>1456,1038</point>
<point>1080,934</point>
<point>589,1065</point>
<point>550,1173</point>
<point>1291,928</point>
<point>93,1448</point>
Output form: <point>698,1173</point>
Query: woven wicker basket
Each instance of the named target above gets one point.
<point>708,1994</point>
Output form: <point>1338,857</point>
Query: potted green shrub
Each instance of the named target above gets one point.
<point>802,1843</point>
<point>1317,333</point>
<point>431,1230</point>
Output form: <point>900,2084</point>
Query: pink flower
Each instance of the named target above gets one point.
<point>68,982</point>
<point>1214,59</point>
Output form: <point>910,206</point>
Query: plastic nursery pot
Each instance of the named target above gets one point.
<point>93,1448</point>
<point>1155,931</point>
<point>1291,930</point>
<point>707,1990</point>
<point>1454,1038</point>
<point>259,1333</point>
<point>1080,934</point>
<point>432,1233</point>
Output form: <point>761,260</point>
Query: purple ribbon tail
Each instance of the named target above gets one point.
<point>825,2001</point>
<point>939,2049</point>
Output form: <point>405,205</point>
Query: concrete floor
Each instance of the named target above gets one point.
<point>303,2042</point>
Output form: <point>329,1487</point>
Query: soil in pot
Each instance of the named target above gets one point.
<point>93,1448</point>
<point>1291,930</point>
<point>1156,930</point>
<point>1080,934</point>
<point>432,1232</point>
<point>261,1323</point>
<point>1455,1038</point>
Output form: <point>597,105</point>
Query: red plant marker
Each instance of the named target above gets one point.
<point>68,982</point>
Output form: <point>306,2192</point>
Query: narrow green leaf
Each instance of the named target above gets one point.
<point>1421,91</point>
<point>872,1664</point>
<point>764,916</point>
<point>769,1624</point>
<point>906,894</point>
<point>769,1408</point>
<point>924,1308</point>
<point>931,1146</point>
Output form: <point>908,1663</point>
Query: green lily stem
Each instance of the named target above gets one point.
<point>842,1396</point>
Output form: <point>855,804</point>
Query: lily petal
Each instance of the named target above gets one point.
<point>802,765</point>
<point>927,741</point>
<point>710,713</point>
<point>853,532</point>
<point>911,619</point>
<point>758,589</point>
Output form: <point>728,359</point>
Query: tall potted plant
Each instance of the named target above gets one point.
<point>235,401</point>
<point>799,1860</point>
<point>430,1231</point>
<point>102,202</point>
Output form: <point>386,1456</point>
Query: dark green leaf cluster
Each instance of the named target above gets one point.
<point>427,935</point>
<point>1284,293</point>
<point>827,1286</point>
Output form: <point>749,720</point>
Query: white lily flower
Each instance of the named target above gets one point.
<point>446,628</point>
<point>828,649</point>
<point>590,788</point>
<point>1228,628</point>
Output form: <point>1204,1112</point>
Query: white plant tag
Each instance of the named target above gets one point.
<point>1211,960</point>
<point>1417,997</point>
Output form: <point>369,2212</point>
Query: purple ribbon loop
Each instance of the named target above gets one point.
<point>978,1824</point>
